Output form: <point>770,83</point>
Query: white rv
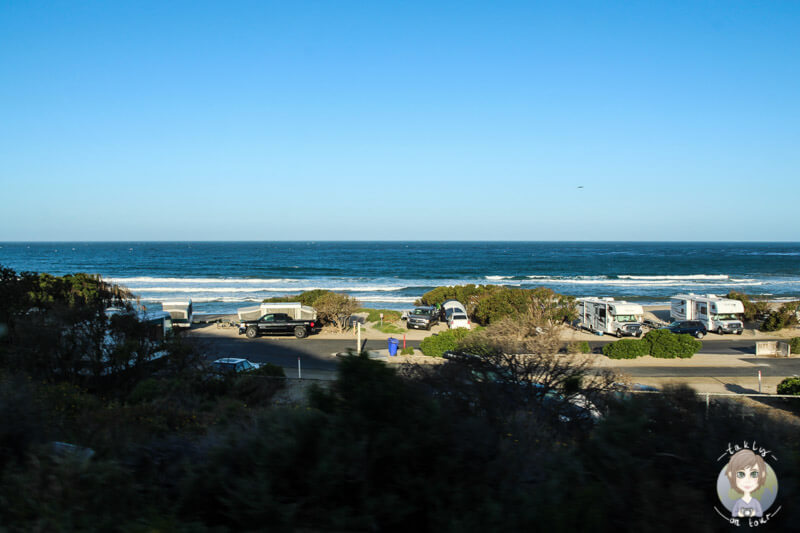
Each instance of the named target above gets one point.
<point>181,313</point>
<point>296,310</point>
<point>606,315</point>
<point>720,315</point>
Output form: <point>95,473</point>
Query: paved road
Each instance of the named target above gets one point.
<point>316,354</point>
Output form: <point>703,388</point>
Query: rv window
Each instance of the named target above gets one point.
<point>704,309</point>
<point>602,312</point>
<point>626,318</point>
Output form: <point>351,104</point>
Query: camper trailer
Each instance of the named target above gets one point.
<point>605,315</point>
<point>181,313</point>
<point>720,315</point>
<point>295,310</point>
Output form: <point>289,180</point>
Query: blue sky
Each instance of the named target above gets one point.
<point>413,120</point>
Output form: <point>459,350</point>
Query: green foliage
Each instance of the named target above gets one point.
<point>305,298</point>
<point>783,317</point>
<point>437,344</point>
<point>626,349</point>
<point>794,344</point>
<point>789,386</point>
<point>374,315</point>
<point>665,344</point>
<point>335,308</point>
<point>579,347</point>
<point>408,350</point>
<point>490,303</point>
<point>269,370</point>
<point>388,328</point>
<point>752,310</point>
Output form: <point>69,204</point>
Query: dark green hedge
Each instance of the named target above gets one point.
<point>667,345</point>
<point>626,349</point>
<point>789,386</point>
<point>658,343</point>
<point>436,345</point>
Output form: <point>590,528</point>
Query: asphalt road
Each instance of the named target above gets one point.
<point>314,354</point>
<point>317,354</point>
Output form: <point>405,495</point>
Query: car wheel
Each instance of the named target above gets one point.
<point>699,334</point>
<point>251,332</point>
<point>619,333</point>
<point>740,332</point>
<point>428,327</point>
<point>719,331</point>
<point>300,332</point>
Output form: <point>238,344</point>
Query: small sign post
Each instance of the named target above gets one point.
<point>299,372</point>
<point>759,381</point>
<point>381,319</point>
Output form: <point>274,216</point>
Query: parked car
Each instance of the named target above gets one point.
<point>422,318</point>
<point>694,328</point>
<point>273,323</point>
<point>458,320</point>
<point>232,365</point>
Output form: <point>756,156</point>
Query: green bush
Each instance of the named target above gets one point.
<point>752,310</point>
<point>579,347</point>
<point>408,350</point>
<point>305,298</point>
<point>269,370</point>
<point>774,322</point>
<point>665,344</point>
<point>794,344</point>
<point>789,385</point>
<point>626,349</point>
<point>374,315</point>
<point>436,345</point>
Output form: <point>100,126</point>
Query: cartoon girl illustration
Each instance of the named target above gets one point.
<point>746,472</point>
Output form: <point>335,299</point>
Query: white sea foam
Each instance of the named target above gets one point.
<point>262,289</point>
<point>498,278</point>
<point>395,299</point>
<point>687,277</point>
<point>148,279</point>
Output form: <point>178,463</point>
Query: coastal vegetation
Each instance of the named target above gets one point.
<point>659,343</point>
<point>486,304</point>
<point>771,319</point>
<point>498,441</point>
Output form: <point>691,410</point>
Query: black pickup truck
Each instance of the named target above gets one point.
<point>273,323</point>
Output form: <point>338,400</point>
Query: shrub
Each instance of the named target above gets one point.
<point>774,322</point>
<point>269,370</point>
<point>752,310</point>
<point>408,350</point>
<point>626,349</point>
<point>794,344</point>
<point>305,298</point>
<point>436,345</point>
<point>665,344</point>
<point>789,385</point>
<point>374,315</point>
<point>579,347</point>
<point>785,316</point>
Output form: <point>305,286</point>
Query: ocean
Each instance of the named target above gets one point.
<point>219,277</point>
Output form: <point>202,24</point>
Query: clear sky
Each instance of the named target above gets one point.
<point>400,120</point>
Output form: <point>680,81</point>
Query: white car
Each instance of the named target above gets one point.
<point>458,320</point>
<point>233,365</point>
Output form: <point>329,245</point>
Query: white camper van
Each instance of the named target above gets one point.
<point>606,315</point>
<point>181,313</point>
<point>720,315</point>
<point>296,310</point>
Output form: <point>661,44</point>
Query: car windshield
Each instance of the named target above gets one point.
<point>459,317</point>
<point>420,311</point>
<point>674,325</point>
<point>224,367</point>
<point>727,316</point>
<point>626,318</point>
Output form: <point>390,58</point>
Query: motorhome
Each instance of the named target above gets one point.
<point>718,314</point>
<point>605,315</point>
<point>181,313</point>
<point>295,310</point>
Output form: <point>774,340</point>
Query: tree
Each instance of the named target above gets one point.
<point>336,309</point>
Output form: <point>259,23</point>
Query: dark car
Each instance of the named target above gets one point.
<point>422,318</point>
<point>277,323</point>
<point>695,328</point>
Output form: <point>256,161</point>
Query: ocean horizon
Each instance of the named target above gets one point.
<point>220,276</point>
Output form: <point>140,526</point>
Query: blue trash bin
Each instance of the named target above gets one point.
<point>393,343</point>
